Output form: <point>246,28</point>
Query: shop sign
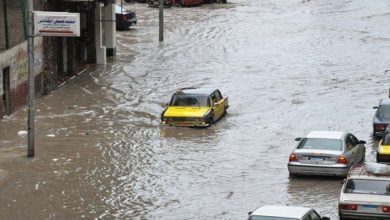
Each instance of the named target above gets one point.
<point>59,24</point>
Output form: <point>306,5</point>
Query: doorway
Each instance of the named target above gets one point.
<point>7,91</point>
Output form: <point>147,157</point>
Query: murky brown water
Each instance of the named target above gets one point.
<point>288,67</point>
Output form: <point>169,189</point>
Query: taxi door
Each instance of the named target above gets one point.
<point>218,104</point>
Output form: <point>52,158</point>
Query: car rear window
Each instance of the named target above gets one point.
<point>321,144</point>
<point>190,100</point>
<point>384,111</point>
<point>375,187</point>
<point>258,217</point>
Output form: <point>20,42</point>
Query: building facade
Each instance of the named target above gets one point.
<point>56,58</point>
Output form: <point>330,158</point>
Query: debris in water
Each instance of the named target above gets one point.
<point>22,133</point>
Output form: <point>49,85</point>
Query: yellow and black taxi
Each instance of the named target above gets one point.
<point>194,107</point>
<point>383,154</point>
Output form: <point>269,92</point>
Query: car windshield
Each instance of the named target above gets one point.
<point>258,217</point>
<point>190,100</point>
<point>321,144</point>
<point>384,111</point>
<point>361,186</point>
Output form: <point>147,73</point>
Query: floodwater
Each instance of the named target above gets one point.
<point>288,67</point>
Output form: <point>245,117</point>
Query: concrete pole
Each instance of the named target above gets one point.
<point>31,83</point>
<point>110,29</point>
<point>100,49</point>
<point>161,21</point>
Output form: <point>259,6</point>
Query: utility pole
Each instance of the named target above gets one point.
<point>31,78</point>
<point>161,21</point>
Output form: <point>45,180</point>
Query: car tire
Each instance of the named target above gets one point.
<point>224,113</point>
<point>210,121</point>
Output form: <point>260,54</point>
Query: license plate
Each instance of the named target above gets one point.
<point>368,208</point>
<point>316,158</point>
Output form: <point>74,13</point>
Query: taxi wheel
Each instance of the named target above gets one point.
<point>210,121</point>
<point>224,112</point>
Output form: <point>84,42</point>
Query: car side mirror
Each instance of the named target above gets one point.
<point>362,142</point>
<point>325,218</point>
<point>298,139</point>
<point>342,182</point>
<point>250,213</point>
<point>375,107</point>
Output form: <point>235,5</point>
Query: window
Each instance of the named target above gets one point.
<point>321,144</point>
<point>218,95</point>
<point>349,142</point>
<point>362,186</point>
<point>383,111</point>
<point>190,100</point>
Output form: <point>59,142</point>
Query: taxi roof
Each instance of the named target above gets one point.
<point>281,211</point>
<point>195,91</point>
<point>326,134</point>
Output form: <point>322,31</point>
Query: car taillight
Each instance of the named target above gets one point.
<point>348,206</point>
<point>342,160</point>
<point>386,208</point>
<point>292,157</point>
<point>380,126</point>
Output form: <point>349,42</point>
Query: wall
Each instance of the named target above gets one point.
<point>16,59</point>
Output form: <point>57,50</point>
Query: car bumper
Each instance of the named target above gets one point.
<point>297,168</point>
<point>122,25</point>
<point>371,216</point>
<point>186,123</point>
<point>379,133</point>
<point>383,158</point>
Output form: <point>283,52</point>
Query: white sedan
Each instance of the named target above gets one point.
<point>274,212</point>
<point>365,195</point>
<point>329,153</point>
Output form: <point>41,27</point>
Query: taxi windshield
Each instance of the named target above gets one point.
<point>190,100</point>
<point>321,144</point>
<point>361,186</point>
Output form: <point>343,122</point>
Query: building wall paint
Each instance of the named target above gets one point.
<point>16,59</point>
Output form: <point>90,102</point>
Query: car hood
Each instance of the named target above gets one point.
<point>384,149</point>
<point>186,111</point>
<point>365,198</point>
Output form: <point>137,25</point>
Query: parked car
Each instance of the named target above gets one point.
<point>383,153</point>
<point>273,212</point>
<point>382,117</point>
<point>175,3</point>
<point>124,18</point>
<point>195,107</point>
<point>329,153</point>
<point>365,195</point>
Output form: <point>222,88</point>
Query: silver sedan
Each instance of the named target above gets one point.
<point>326,153</point>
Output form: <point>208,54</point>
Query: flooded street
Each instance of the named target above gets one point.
<point>287,66</point>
